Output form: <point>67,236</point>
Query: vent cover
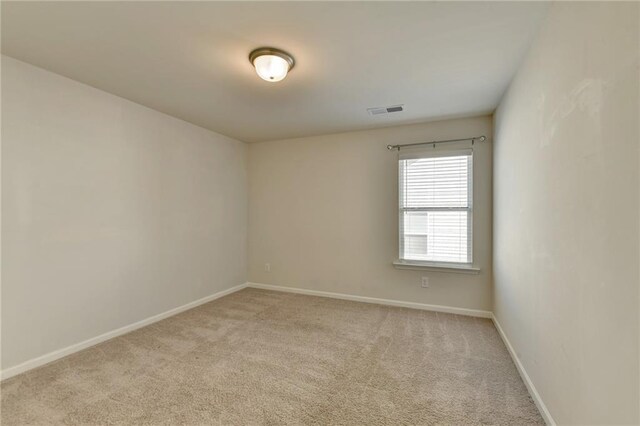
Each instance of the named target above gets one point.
<point>385,110</point>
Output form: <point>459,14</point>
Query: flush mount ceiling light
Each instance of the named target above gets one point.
<point>271,64</point>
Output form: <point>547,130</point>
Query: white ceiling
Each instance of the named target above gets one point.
<point>189,59</point>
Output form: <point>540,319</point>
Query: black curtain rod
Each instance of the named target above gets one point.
<point>476,138</point>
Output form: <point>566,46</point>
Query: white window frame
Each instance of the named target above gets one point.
<point>464,267</point>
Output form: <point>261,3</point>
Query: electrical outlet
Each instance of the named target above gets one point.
<point>425,282</point>
<point>267,267</point>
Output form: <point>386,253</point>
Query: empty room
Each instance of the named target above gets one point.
<point>320,213</point>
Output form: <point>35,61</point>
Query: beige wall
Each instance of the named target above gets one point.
<point>324,213</point>
<point>566,213</point>
<point>111,212</point>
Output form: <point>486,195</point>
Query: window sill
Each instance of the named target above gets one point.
<point>436,267</point>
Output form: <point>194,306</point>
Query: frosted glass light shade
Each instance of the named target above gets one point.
<point>271,67</point>
<point>271,64</point>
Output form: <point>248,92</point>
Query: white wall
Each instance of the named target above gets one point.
<point>111,212</point>
<point>324,213</point>
<point>566,213</point>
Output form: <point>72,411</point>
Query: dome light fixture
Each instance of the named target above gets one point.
<point>271,64</point>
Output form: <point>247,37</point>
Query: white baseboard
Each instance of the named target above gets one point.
<point>60,353</point>
<point>544,412</point>
<point>390,302</point>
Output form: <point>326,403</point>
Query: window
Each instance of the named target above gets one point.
<point>436,210</point>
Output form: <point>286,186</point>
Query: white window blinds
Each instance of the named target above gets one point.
<point>436,206</point>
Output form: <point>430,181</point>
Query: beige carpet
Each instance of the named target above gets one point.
<point>261,357</point>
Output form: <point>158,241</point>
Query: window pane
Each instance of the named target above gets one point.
<point>439,236</point>
<point>415,235</point>
<point>415,223</point>
<point>435,204</point>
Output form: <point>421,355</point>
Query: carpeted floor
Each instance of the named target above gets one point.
<point>262,357</point>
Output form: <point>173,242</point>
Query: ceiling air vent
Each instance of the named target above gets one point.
<point>385,110</point>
